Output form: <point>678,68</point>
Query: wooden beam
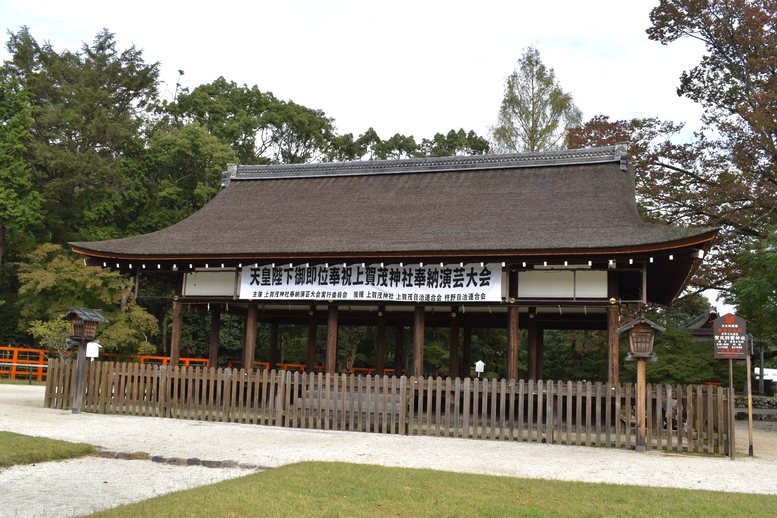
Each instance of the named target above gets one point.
<point>512,343</point>
<point>215,324</point>
<point>312,331</point>
<point>453,362</point>
<point>613,346</point>
<point>418,341</point>
<point>175,335</point>
<point>380,342</point>
<point>532,346</point>
<point>331,340</point>
<point>249,346</point>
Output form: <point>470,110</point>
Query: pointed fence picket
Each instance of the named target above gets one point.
<point>691,419</point>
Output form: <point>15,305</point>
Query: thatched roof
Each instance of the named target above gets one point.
<point>578,202</point>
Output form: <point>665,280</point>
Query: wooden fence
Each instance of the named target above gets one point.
<point>691,418</point>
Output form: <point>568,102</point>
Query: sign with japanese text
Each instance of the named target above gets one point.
<point>730,332</point>
<point>474,282</point>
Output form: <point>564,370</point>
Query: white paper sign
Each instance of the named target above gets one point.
<point>373,282</point>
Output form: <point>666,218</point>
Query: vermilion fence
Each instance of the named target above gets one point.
<point>21,363</point>
<point>692,418</point>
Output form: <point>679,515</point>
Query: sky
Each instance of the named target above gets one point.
<point>411,67</point>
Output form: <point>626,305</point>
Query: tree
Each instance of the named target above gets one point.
<point>454,143</point>
<point>88,108</point>
<point>53,279</point>
<point>755,295</point>
<point>20,204</point>
<point>535,113</point>
<point>727,175</point>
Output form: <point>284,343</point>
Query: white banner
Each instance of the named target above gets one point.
<point>372,282</point>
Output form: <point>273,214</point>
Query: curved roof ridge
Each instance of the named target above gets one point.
<point>616,153</point>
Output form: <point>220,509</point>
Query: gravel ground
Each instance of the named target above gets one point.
<point>82,486</point>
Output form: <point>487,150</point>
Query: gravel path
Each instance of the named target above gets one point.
<point>82,486</point>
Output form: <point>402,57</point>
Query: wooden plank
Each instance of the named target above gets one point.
<point>531,393</point>
<point>721,413</point>
<point>466,406</point>
<point>649,408</point>
<point>457,388</point>
<point>608,393</point>
<point>680,417</point>
<point>520,424</point>
<point>475,407</point>
<point>502,409</point>
<point>405,394</point>
<point>699,419</point>
<point>629,411</point>
<point>659,416</point>
<point>512,388</point>
<point>710,419</point>
<point>691,412</point>
<point>494,392</point>
<point>438,406</point>
<point>535,401</point>
<point>549,413</point>
<point>570,402</point>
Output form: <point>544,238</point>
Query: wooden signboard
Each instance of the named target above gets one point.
<point>730,332</point>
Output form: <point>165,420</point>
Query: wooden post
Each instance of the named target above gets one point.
<point>215,323</point>
<point>331,340</point>
<point>453,362</point>
<point>613,346</point>
<point>641,413</point>
<point>732,447</point>
<point>273,359</point>
<point>78,387</point>
<point>380,342</point>
<point>249,346</point>
<point>399,350</point>
<point>512,342</point>
<point>310,363</point>
<point>533,346</point>
<point>175,335</point>
<point>467,346</point>
<point>418,340</point>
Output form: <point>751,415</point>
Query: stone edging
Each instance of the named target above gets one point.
<point>180,461</point>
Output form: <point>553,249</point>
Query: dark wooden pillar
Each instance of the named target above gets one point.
<point>273,359</point>
<point>467,346</point>
<point>380,342</point>
<point>249,346</point>
<point>532,356</point>
<point>512,342</point>
<point>310,362</point>
<point>613,346</point>
<point>453,363</point>
<point>175,335</point>
<point>399,350</point>
<point>331,340</point>
<point>540,352</point>
<point>418,340</point>
<point>215,324</point>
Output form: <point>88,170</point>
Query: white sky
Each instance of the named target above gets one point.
<point>412,67</point>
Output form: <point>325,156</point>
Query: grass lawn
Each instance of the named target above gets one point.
<point>23,449</point>
<point>339,489</point>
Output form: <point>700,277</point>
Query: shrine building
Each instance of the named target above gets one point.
<point>533,241</point>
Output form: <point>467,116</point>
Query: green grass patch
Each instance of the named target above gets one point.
<point>353,490</point>
<point>23,449</point>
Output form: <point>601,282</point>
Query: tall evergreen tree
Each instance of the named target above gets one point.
<point>535,113</point>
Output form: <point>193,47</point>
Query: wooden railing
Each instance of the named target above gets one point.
<point>692,418</point>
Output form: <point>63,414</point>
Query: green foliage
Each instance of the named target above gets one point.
<point>535,113</point>
<point>52,335</point>
<point>87,109</point>
<point>52,280</point>
<point>20,204</point>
